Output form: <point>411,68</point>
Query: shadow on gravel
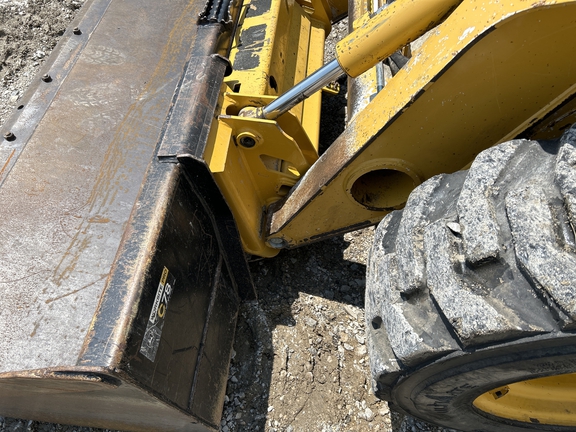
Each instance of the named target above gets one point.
<point>300,360</point>
<point>290,287</point>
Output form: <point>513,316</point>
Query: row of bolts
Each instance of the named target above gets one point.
<point>9,136</point>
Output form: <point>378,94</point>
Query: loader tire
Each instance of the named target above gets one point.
<point>471,294</point>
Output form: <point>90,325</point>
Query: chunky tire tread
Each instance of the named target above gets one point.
<point>419,333</point>
<point>566,176</point>
<point>412,270</point>
<point>475,317</point>
<point>548,265</point>
<point>480,232</point>
<point>479,265</point>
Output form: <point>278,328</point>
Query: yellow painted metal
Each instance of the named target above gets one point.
<point>326,11</point>
<point>252,178</point>
<point>393,27</point>
<point>319,10</point>
<point>545,401</point>
<point>487,73</point>
<point>365,86</point>
<point>310,114</point>
<point>255,162</point>
<point>276,48</point>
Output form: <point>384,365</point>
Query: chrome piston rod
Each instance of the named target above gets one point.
<point>303,90</point>
<point>392,27</point>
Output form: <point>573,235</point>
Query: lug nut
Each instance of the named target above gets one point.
<point>9,136</point>
<point>46,78</point>
<point>76,31</point>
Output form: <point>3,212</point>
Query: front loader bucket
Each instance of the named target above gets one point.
<point>120,273</point>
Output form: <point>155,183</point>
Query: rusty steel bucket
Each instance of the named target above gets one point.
<point>121,272</point>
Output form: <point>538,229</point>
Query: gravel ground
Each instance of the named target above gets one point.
<point>300,360</point>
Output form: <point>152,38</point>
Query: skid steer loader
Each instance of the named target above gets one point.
<point>165,141</point>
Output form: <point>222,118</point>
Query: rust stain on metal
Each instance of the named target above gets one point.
<point>70,258</point>
<point>315,181</point>
<point>7,163</point>
<point>98,219</point>
<point>77,290</point>
<point>109,178</point>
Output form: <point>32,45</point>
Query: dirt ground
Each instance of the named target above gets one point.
<point>300,360</point>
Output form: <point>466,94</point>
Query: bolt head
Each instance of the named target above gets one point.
<point>277,243</point>
<point>76,31</point>
<point>247,141</point>
<point>9,136</point>
<point>46,78</point>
